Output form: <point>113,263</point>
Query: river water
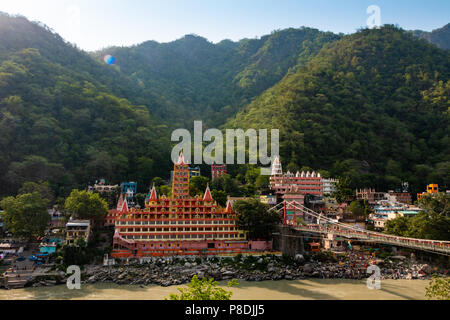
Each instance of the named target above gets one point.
<point>323,289</point>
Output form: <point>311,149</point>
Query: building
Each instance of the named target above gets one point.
<point>129,189</point>
<point>431,189</point>
<point>100,186</point>
<point>270,200</point>
<point>370,195</point>
<point>122,206</point>
<point>194,172</point>
<point>57,218</point>
<point>386,210</point>
<point>292,210</point>
<point>180,225</point>
<point>299,184</point>
<point>78,229</point>
<point>329,186</point>
<point>218,170</point>
<point>2,225</point>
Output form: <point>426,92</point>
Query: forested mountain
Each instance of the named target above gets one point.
<point>202,80</point>
<point>440,37</point>
<point>373,106</point>
<point>65,118</point>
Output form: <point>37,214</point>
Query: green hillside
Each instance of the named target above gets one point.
<point>372,105</point>
<point>202,80</point>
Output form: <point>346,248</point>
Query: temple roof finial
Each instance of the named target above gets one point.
<point>207,196</point>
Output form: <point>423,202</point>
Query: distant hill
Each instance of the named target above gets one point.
<point>440,37</point>
<point>372,106</point>
<point>202,80</point>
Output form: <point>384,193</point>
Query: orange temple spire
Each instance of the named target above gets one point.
<point>180,183</point>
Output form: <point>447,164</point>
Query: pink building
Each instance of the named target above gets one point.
<point>218,170</point>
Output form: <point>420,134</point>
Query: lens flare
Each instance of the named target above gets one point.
<point>109,59</point>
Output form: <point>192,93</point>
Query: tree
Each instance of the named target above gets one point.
<point>256,219</point>
<point>356,209</point>
<point>197,185</point>
<point>26,215</point>
<point>432,223</point>
<point>220,197</point>
<point>158,181</point>
<point>399,226</point>
<point>438,289</point>
<point>436,203</point>
<point>140,199</point>
<point>343,190</point>
<point>205,289</point>
<point>110,197</point>
<point>165,190</point>
<point>86,205</point>
<point>262,184</point>
<point>252,174</point>
<point>359,208</point>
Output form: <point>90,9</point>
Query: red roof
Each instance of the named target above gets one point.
<point>122,205</point>
<point>125,206</point>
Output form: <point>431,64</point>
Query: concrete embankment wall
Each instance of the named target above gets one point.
<point>288,241</point>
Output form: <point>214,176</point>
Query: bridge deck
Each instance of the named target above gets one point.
<point>330,226</point>
<point>429,245</point>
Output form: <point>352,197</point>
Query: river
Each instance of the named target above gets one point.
<point>322,289</point>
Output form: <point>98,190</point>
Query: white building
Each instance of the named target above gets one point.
<point>329,186</point>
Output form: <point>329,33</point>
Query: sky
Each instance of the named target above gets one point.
<point>93,25</point>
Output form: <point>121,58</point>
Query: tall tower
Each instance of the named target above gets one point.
<point>180,182</point>
<point>277,170</point>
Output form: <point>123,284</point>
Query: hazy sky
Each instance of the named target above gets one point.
<point>95,24</point>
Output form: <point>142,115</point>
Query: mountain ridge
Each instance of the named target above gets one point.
<point>63,110</point>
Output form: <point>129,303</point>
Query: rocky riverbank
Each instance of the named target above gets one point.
<point>176,271</point>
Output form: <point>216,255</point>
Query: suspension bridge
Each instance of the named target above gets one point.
<point>323,225</point>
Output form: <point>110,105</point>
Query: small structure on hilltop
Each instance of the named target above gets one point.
<point>101,186</point>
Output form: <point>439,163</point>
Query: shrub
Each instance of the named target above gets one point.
<point>205,289</point>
